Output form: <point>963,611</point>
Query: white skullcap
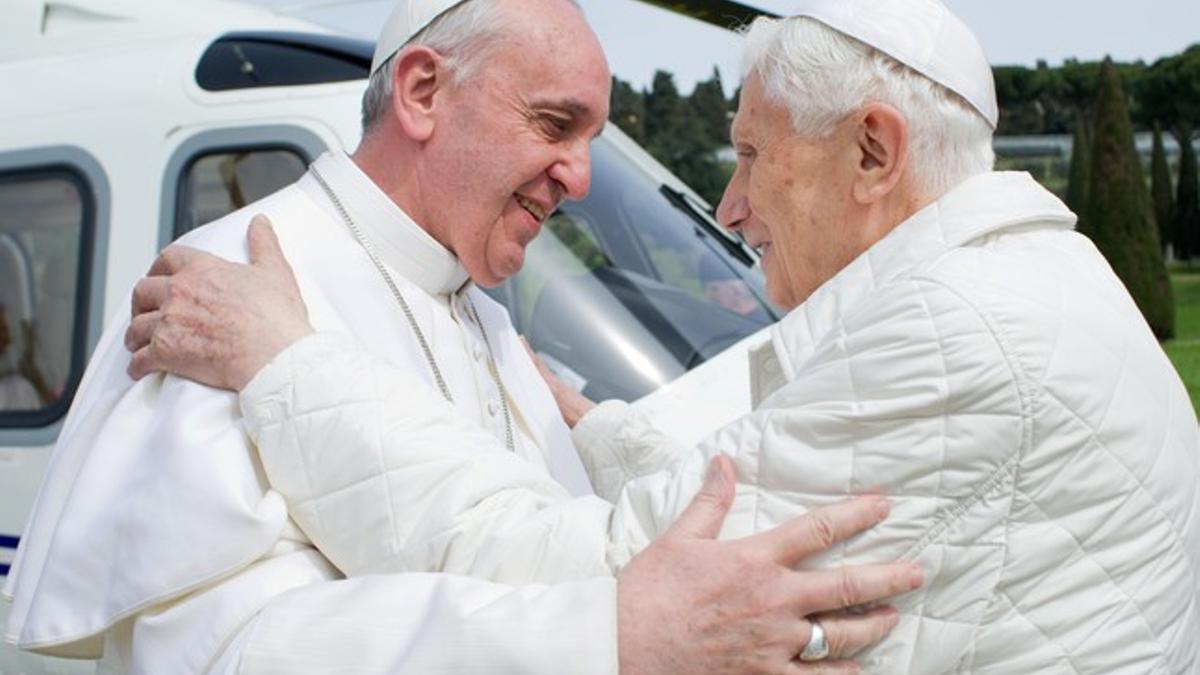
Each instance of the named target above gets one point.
<point>921,34</point>
<point>409,18</point>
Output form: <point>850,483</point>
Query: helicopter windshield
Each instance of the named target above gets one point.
<point>625,291</point>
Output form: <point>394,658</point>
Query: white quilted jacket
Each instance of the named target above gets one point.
<point>981,366</point>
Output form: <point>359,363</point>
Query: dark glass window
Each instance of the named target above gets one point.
<point>249,60</point>
<point>46,227</point>
<point>219,183</point>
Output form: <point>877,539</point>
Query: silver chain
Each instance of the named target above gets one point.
<point>412,321</point>
<point>508,427</point>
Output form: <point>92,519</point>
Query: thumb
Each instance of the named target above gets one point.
<point>264,245</point>
<point>703,517</point>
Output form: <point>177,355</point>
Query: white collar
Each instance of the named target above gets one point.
<point>395,237</point>
<point>980,206</point>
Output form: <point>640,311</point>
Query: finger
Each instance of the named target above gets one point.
<point>149,294</point>
<point>821,528</point>
<point>829,590</point>
<point>532,356</point>
<point>265,251</point>
<point>822,668</point>
<point>849,634</point>
<point>141,364</point>
<point>264,245</point>
<point>528,349</point>
<point>704,515</point>
<point>140,330</point>
<point>551,379</point>
<point>174,258</point>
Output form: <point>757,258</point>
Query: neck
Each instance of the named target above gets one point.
<point>885,215</point>
<point>394,168</point>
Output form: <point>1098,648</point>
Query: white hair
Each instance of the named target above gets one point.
<point>463,35</point>
<point>822,76</point>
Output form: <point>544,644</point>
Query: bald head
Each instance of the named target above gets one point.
<point>467,34</point>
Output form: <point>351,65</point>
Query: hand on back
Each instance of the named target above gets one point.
<point>213,321</point>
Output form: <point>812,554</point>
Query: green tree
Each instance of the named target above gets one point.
<point>1075,92</point>
<point>1169,92</point>
<point>1119,216</point>
<point>627,109</point>
<point>1186,225</point>
<point>1017,89</point>
<point>675,136</point>
<point>1160,188</point>
<point>1079,176</point>
<point>712,108</point>
<point>667,113</point>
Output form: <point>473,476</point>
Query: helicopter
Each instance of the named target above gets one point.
<point>127,123</point>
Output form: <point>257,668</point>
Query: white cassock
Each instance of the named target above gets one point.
<point>981,365</point>
<point>157,542</point>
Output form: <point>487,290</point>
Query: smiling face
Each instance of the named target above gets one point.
<point>513,140</point>
<point>791,197</point>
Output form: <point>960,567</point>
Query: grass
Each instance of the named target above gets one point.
<point>1184,350</point>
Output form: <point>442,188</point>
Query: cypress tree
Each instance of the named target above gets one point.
<point>1187,202</point>
<point>1160,188</point>
<point>1079,174</point>
<point>1119,217</point>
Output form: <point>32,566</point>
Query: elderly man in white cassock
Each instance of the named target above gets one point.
<point>156,544</point>
<point>953,345</point>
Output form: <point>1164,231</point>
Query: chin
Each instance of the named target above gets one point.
<point>780,295</point>
<point>505,266</point>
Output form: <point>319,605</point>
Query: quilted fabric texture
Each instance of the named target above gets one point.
<point>980,365</point>
<point>984,368</point>
<point>358,446</point>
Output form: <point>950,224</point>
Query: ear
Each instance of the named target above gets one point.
<point>882,138</point>
<point>417,78</point>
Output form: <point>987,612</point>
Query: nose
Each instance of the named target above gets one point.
<point>573,170</point>
<point>734,208</point>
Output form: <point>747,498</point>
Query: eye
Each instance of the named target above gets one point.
<point>554,125</point>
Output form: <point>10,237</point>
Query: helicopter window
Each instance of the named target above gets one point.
<point>218,184</point>
<point>245,61</point>
<point>44,216</point>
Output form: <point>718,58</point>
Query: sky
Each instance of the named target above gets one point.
<point>640,39</point>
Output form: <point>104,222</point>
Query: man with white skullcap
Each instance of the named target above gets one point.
<point>952,344</point>
<point>156,544</point>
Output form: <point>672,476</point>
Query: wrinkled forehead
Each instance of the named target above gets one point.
<point>755,112</point>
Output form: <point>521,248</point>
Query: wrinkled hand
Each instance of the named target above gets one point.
<point>213,321</point>
<point>572,405</point>
<point>691,604</point>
